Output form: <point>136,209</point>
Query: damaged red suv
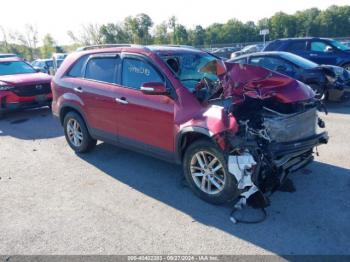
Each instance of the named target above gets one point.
<point>21,86</point>
<point>234,128</point>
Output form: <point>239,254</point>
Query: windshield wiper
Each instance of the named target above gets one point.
<point>190,79</point>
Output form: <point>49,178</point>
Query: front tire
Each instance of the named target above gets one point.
<point>77,134</point>
<point>320,91</point>
<point>206,171</point>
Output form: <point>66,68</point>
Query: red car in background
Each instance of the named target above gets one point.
<point>21,86</point>
<point>236,129</point>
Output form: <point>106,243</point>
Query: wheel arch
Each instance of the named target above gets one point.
<point>187,136</point>
<point>66,108</point>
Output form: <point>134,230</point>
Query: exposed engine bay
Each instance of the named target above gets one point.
<point>275,138</point>
<point>280,138</point>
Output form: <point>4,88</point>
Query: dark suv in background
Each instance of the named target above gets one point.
<point>322,51</point>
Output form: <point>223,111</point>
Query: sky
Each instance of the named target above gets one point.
<point>58,16</point>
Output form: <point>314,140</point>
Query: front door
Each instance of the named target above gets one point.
<point>145,121</point>
<point>322,53</point>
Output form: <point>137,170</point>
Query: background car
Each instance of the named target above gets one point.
<point>323,51</point>
<point>21,86</point>
<point>46,65</point>
<point>43,65</point>
<point>225,52</point>
<point>247,50</point>
<point>7,55</point>
<point>321,78</point>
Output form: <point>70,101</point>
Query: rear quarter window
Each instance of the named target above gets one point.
<point>77,69</point>
<point>272,46</point>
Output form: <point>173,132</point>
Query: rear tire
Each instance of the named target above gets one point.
<point>194,174</point>
<point>77,134</point>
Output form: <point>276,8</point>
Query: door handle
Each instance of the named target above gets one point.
<point>78,89</point>
<point>122,100</point>
<point>313,55</point>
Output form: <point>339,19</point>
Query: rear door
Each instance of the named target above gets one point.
<point>298,47</point>
<point>98,89</point>
<point>145,121</point>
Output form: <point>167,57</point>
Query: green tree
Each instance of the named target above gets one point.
<point>161,35</point>
<point>48,47</point>
<point>114,33</point>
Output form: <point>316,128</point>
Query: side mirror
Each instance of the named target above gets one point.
<point>216,67</point>
<point>154,88</point>
<point>329,49</point>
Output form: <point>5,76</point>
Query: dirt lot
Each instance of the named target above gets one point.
<point>114,201</point>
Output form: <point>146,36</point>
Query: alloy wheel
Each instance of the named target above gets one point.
<point>74,132</point>
<point>208,172</point>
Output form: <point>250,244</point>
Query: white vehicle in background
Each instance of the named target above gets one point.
<point>57,59</point>
<point>247,50</point>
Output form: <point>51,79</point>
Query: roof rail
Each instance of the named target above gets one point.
<point>84,48</point>
<point>184,46</point>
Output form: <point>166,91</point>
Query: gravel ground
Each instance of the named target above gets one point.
<point>114,201</point>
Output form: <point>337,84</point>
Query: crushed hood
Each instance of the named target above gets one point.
<point>257,82</point>
<point>25,79</point>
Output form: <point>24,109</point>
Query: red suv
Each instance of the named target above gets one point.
<point>234,128</point>
<point>21,86</point>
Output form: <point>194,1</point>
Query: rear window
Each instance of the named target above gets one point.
<point>102,69</point>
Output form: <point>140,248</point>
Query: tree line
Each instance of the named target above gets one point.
<point>140,29</point>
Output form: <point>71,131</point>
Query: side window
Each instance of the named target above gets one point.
<point>296,46</point>
<point>77,69</point>
<point>317,46</point>
<point>102,69</point>
<point>136,72</point>
<point>273,63</point>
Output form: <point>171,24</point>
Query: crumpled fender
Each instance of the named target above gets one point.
<point>212,122</point>
<point>257,82</point>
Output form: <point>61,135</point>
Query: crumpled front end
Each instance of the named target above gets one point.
<point>337,77</point>
<point>277,138</point>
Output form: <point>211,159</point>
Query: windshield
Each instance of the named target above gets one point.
<point>187,67</point>
<point>300,61</point>
<point>15,67</point>
<point>340,46</point>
